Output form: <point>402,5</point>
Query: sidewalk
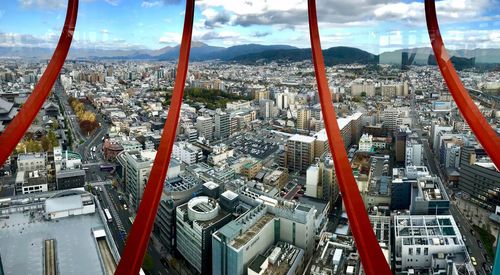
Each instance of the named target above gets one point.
<point>477,216</point>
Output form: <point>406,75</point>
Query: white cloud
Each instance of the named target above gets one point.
<point>151,4</point>
<point>170,38</point>
<point>46,4</point>
<point>113,2</point>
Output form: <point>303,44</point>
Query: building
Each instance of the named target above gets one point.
<point>312,180</point>
<point>34,182</point>
<point>429,245</point>
<point>250,169</point>
<point>362,87</point>
<point>413,151</point>
<point>176,191</point>
<point>299,152</point>
<point>390,117</point>
<point>205,127</point>
<point>266,108</point>
<point>136,166</point>
<point>428,197</point>
<point>236,244</point>
<point>222,124</point>
<point>401,147</point>
<point>303,118</point>
<point>196,221</point>
<point>7,113</point>
<point>32,162</point>
<point>281,100</point>
<point>365,143</point>
<point>70,178</point>
<point>187,153</point>
<point>479,178</point>
<point>270,262</point>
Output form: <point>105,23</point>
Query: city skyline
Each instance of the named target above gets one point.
<point>374,27</point>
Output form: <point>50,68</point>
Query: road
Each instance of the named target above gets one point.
<point>432,163</point>
<point>121,225</point>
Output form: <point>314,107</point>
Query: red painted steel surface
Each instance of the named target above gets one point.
<point>372,258</point>
<point>138,238</point>
<point>22,121</point>
<point>478,124</point>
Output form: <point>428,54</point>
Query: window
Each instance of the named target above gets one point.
<point>418,251</point>
<point>410,251</point>
<point>426,251</point>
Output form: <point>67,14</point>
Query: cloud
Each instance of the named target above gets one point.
<point>45,4</point>
<point>151,4</point>
<point>261,34</point>
<point>170,38</point>
<point>104,31</point>
<point>293,13</point>
<point>212,35</point>
<point>113,2</point>
<point>214,18</point>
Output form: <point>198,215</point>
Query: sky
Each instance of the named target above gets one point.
<point>372,25</point>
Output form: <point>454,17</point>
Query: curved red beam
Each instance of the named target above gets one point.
<point>22,121</point>
<point>372,258</point>
<point>476,121</point>
<point>138,238</point>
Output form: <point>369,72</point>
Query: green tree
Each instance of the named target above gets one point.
<point>46,145</point>
<point>51,136</point>
<point>148,263</point>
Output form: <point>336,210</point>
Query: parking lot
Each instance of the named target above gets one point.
<point>257,148</point>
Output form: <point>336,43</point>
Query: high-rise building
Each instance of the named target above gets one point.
<point>299,152</point>
<point>222,125</point>
<point>266,110</point>
<point>413,151</point>
<point>479,177</point>
<point>205,127</point>
<point>196,221</point>
<point>281,101</point>
<point>303,118</point>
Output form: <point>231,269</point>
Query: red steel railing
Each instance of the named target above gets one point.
<point>371,255</point>
<point>22,121</point>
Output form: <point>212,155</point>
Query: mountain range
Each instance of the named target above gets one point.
<point>251,53</point>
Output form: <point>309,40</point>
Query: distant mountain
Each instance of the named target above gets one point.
<point>332,56</point>
<point>250,53</point>
<point>425,56</point>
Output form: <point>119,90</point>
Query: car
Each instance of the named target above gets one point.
<point>473,261</point>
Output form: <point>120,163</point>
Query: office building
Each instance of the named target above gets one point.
<point>222,125</point>
<point>196,221</point>
<point>428,197</point>
<point>413,151</point>
<point>70,178</point>
<point>187,153</point>
<point>365,143</point>
<point>303,118</point>
<point>479,178</point>
<point>205,127</point>
<point>31,162</point>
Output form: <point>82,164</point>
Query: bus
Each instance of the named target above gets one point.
<point>107,168</point>
<point>108,215</point>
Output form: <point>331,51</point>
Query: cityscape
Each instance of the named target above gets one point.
<point>251,185</point>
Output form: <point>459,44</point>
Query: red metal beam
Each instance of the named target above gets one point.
<point>478,124</point>
<point>138,238</point>
<point>372,258</point>
<point>21,122</point>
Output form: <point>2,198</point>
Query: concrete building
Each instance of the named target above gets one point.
<point>70,178</point>
<point>135,169</point>
<point>428,197</point>
<point>390,116</point>
<point>222,124</point>
<point>205,127</point>
<point>362,87</point>
<point>32,162</point>
<point>187,153</point>
<point>299,152</point>
<point>479,178</point>
<point>281,101</point>
<point>303,118</point>
<point>413,151</point>
<point>241,240</point>
<point>429,245</point>
<point>196,221</point>
<point>312,180</point>
<point>33,182</point>
<point>365,143</point>
<point>266,110</point>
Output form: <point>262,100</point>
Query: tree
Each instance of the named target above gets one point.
<point>46,145</point>
<point>51,136</point>
<point>148,263</point>
<point>55,125</point>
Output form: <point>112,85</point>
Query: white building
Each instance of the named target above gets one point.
<point>187,153</point>
<point>414,154</point>
<point>312,180</point>
<point>31,162</point>
<point>65,206</point>
<point>424,243</point>
<point>205,127</point>
<point>365,143</point>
